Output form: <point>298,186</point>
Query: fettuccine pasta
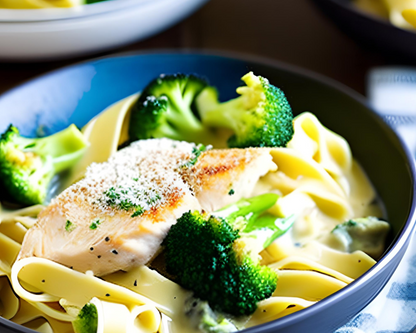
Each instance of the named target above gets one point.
<point>318,182</point>
<point>38,4</point>
<point>401,13</point>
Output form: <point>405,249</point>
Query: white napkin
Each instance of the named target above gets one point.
<point>392,92</point>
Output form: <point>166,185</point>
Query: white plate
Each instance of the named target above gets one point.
<point>31,15</point>
<point>85,34</point>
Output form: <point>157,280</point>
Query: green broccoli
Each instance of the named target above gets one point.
<point>204,319</point>
<point>366,234</point>
<point>217,258</point>
<point>166,108</point>
<point>87,319</point>
<point>260,117</point>
<point>28,165</point>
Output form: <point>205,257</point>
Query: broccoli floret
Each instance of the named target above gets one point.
<point>367,234</point>
<point>87,319</point>
<point>208,264</point>
<point>217,256</point>
<point>28,165</point>
<point>260,117</point>
<point>204,319</point>
<point>166,108</point>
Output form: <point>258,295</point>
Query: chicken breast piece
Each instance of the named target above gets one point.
<point>118,215</point>
<point>222,177</point>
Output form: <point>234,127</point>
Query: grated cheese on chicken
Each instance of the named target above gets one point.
<point>118,215</point>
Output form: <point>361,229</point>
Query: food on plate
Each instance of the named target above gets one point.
<point>157,231</point>
<point>186,107</point>
<point>143,189</point>
<point>28,165</point>
<point>365,233</point>
<point>165,109</point>
<point>260,117</point>
<point>401,13</point>
<point>216,256</point>
<point>38,4</point>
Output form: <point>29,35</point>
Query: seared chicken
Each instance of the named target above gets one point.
<point>118,215</point>
<point>222,177</point>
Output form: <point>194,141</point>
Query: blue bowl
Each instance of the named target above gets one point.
<point>77,93</point>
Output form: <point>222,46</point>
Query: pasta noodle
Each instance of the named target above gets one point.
<point>9,304</point>
<point>115,317</point>
<point>318,286</point>
<point>49,277</point>
<point>275,308</point>
<point>319,183</point>
<point>38,4</point>
<point>401,13</point>
<point>301,263</point>
<point>114,122</point>
<point>352,265</point>
<point>168,295</point>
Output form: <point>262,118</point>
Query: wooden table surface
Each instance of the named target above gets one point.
<point>292,31</point>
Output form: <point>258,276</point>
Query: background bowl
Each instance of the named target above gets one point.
<point>28,15</point>
<point>370,31</point>
<point>77,93</point>
<point>43,34</point>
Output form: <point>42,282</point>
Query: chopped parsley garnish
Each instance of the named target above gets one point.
<point>94,224</point>
<point>139,211</point>
<point>115,200</point>
<point>152,200</point>
<point>196,152</point>
<point>135,199</point>
<point>349,223</point>
<point>231,192</point>
<point>118,198</point>
<point>69,226</point>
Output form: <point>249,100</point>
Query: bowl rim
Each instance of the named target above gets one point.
<point>402,239</point>
<point>347,5</point>
<point>78,23</point>
<point>52,14</point>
